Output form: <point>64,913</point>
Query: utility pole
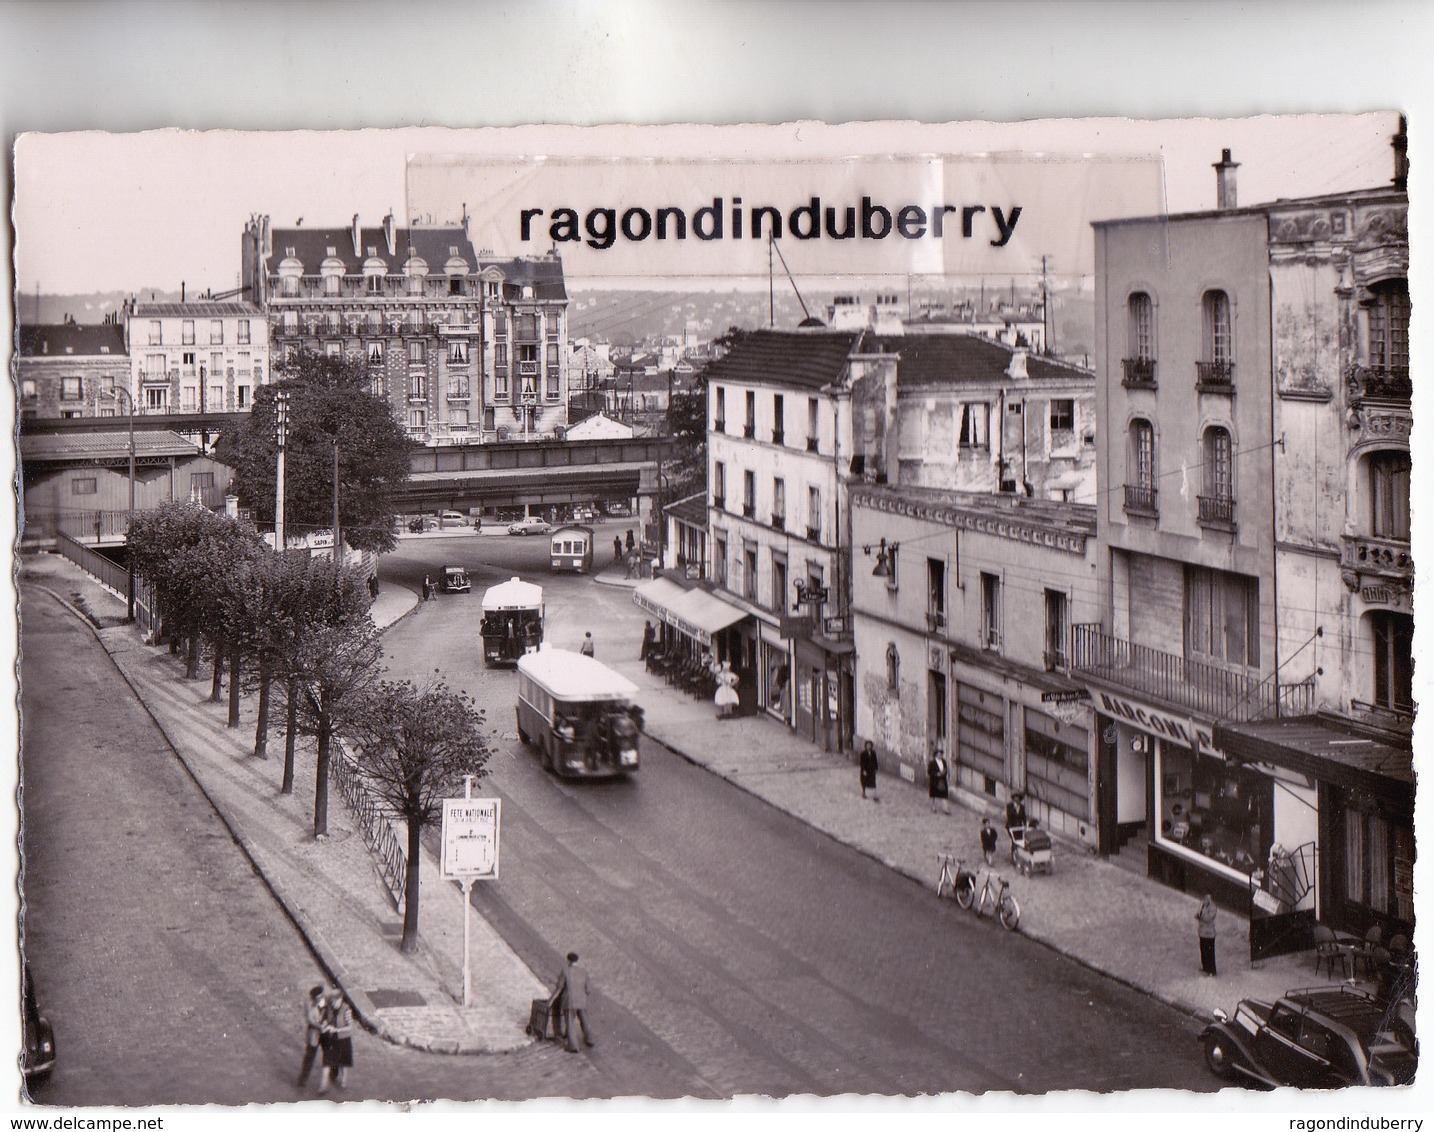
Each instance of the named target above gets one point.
<point>129,560</point>
<point>1049,332</point>
<point>282,425</point>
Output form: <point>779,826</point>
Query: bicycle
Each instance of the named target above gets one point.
<point>996,891</point>
<point>957,882</point>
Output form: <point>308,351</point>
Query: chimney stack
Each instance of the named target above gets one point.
<point>388,233</point>
<point>358,237</point>
<point>1400,144</point>
<point>1017,368</point>
<point>1225,181</point>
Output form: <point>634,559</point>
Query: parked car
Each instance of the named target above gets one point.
<point>455,580</point>
<point>1314,1038</point>
<point>453,519</point>
<point>39,1056</point>
<point>420,523</point>
<point>532,525</point>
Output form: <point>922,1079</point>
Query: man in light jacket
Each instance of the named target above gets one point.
<point>573,986</point>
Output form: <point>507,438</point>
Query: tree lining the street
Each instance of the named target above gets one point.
<point>329,400</point>
<point>412,748</point>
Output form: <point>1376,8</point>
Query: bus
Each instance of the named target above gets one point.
<point>572,549</point>
<point>578,712</point>
<point>512,621</point>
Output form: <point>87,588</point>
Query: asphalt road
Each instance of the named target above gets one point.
<point>736,951</point>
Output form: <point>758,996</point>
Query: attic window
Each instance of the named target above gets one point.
<point>104,349</point>
<point>290,251</point>
<point>452,249</point>
<point>69,349</point>
<point>373,249</point>
<point>331,251</point>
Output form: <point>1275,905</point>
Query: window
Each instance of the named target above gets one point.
<point>375,284</point>
<point>1057,762</point>
<point>935,593</point>
<point>719,560</point>
<point>814,514</point>
<point>27,389</point>
<point>458,420</point>
<point>333,349</point>
<point>85,485</point>
<point>779,582</point>
<point>1393,635</point>
<point>415,353</point>
<point>71,389</point>
<point>1378,862</point>
<point>812,424</point>
<point>525,327</point>
<point>216,365</point>
<point>1389,326</point>
<point>1222,617</point>
<point>187,361</point>
<point>417,419</point>
<point>990,611</point>
<point>719,484</point>
<point>720,411</point>
<point>1217,505</point>
<point>1217,368</point>
<point>500,385</point>
<point>1140,470</point>
<point>893,668</point>
<point>491,288</point>
<point>201,481</point>
<point>156,367</point>
<point>500,323</point>
<point>241,396</point>
<point>417,387</point>
<point>1141,334</point>
<point>188,398</point>
<point>779,419</point>
<point>415,284</point>
<point>375,353</point>
<point>1063,415</point>
<point>458,387</point>
<point>975,424</point>
<point>156,335</point>
<point>1057,630</point>
<point>289,285</point>
<point>1389,495</point>
<point>749,430</point>
<point>291,322</point>
<point>187,332</point>
<point>554,372</point>
<point>332,323</point>
<point>749,493</point>
<point>779,502</point>
<point>458,352</point>
<point>242,332</point>
<point>455,285</point>
<point>373,324</point>
<point>749,573</point>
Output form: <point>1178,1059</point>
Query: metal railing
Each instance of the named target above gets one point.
<point>375,821</point>
<point>1216,509</point>
<point>1379,383</point>
<point>1138,373</point>
<point>1215,377</point>
<point>112,576</point>
<point>1220,693</point>
<point>1140,500</point>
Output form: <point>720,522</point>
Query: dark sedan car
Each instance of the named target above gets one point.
<point>39,1055</point>
<point>1315,1038</point>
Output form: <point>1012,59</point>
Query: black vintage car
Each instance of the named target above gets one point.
<point>39,1055</point>
<point>1314,1038</point>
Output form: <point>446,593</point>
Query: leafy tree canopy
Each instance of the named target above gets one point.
<point>328,399</point>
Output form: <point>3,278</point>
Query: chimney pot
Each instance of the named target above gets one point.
<point>1225,181</point>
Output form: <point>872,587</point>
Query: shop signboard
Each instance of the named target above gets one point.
<point>1153,721</point>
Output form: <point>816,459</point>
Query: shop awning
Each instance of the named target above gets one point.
<point>696,613</point>
<point>1325,750</point>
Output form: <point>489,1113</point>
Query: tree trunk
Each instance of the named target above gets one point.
<point>216,688</point>
<point>261,729</point>
<point>409,943</point>
<point>321,770</point>
<point>291,731</point>
<point>234,668</point>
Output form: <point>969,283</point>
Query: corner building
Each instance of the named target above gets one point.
<point>1251,672</point>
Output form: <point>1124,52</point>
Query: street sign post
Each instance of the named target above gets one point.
<point>470,852</point>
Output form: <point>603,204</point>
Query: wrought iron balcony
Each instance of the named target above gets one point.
<point>719,501</point>
<point>935,620</point>
<point>719,425</point>
<point>1370,554</point>
<point>779,522</point>
<point>749,430</point>
<point>1138,373</point>
<point>1140,500</point>
<point>1218,510</point>
<point>814,534</point>
<point>1379,383</point>
<point>1215,377</point>
<point>778,436</point>
<point>812,444</point>
<point>749,509</point>
<point>1193,685</point>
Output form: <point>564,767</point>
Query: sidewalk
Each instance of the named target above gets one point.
<point>1094,911</point>
<point>331,888</point>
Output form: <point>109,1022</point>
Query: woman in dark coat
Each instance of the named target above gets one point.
<point>868,771</point>
<point>938,781</point>
<point>337,1041</point>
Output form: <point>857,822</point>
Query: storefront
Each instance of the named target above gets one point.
<point>691,621</point>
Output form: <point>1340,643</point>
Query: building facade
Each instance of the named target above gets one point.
<point>69,370</point>
<point>1251,670</point>
<point>464,348</point>
<point>196,357</point>
<point>962,607</point>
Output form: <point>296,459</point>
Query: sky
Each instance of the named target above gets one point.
<point>125,211</point>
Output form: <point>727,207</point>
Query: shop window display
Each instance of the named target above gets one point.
<point>1216,809</point>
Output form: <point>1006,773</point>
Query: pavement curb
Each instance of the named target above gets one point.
<point>363,1006</point>
<point>1198,1013</point>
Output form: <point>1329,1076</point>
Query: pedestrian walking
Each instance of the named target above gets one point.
<point>631,542</point>
<point>1206,918</point>
<point>1016,812</point>
<point>373,585</point>
<point>868,771</point>
<point>616,547</point>
<point>427,588</point>
<point>574,987</point>
<point>938,781</point>
<point>587,648</point>
<point>337,1041</point>
<point>649,637</point>
<point>313,1030</point>
<point>988,841</point>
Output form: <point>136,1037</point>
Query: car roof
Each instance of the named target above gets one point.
<point>1360,1011</point>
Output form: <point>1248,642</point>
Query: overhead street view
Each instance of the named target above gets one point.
<point>453,671</point>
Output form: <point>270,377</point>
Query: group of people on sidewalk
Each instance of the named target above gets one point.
<point>328,1035</point>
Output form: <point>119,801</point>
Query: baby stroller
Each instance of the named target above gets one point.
<point>1031,849</point>
<point>545,1019</point>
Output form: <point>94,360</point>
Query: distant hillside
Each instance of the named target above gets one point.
<point>91,307</point>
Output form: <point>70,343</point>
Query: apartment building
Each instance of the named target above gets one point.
<point>196,357</point>
<point>69,370</point>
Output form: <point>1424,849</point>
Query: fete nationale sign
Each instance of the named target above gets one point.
<point>470,838</point>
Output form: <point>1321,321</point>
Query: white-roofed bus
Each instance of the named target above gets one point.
<point>578,713</point>
<point>572,549</point>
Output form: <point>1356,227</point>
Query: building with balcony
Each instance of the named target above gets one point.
<point>962,607</point>
<point>69,370</point>
<point>1251,669</point>
<point>196,357</point>
<point>463,347</point>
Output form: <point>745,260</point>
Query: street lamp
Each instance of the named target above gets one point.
<point>281,402</point>
<point>120,391</point>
